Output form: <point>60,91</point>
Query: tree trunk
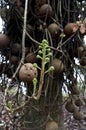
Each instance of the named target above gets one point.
<point>60,114</point>
<point>60,109</point>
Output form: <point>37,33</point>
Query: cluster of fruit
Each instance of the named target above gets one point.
<point>40,18</point>
<point>73,105</point>
<point>41,24</point>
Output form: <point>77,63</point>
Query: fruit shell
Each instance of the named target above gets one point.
<point>79,102</point>
<point>80,51</point>
<point>58,65</point>
<point>45,10</point>
<point>4,41</point>
<point>77,114</point>
<point>16,49</point>
<point>70,106</point>
<point>14,60</point>
<point>83,28</point>
<point>54,29</point>
<point>30,58</point>
<point>27,72</point>
<point>40,2</point>
<point>51,125</point>
<point>70,28</point>
<point>83,61</point>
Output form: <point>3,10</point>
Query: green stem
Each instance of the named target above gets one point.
<point>41,75</point>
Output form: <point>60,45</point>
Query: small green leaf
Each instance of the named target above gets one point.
<point>51,68</point>
<point>49,54</point>
<point>44,41</point>
<point>10,104</point>
<point>39,57</point>
<point>35,65</point>
<point>40,47</point>
<point>47,59</point>
<point>35,81</point>
<point>40,52</point>
<point>62,35</point>
<point>48,49</point>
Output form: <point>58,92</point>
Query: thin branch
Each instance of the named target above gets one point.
<point>23,52</point>
<point>53,48</point>
<point>22,106</point>
<point>23,40</point>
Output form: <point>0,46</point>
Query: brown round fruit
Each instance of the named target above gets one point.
<point>58,65</point>
<point>4,40</point>
<point>40,2</point>
<point>83,28</point>
<point>74,89</point>
<point>80,51</point>
<point>51,125</point>
<point>78,115</point>
<point>83,61</point>
<point>30,58</point>
<point>27,72</point>
<point>54,29</point>
<point>78,102</point>
<point>16,49</point>
<point>45,10</point>
<point>70,106</point>
<point>14,60</point>
<point>70,28</point>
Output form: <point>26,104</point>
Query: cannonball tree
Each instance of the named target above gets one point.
<point>42,54</point>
